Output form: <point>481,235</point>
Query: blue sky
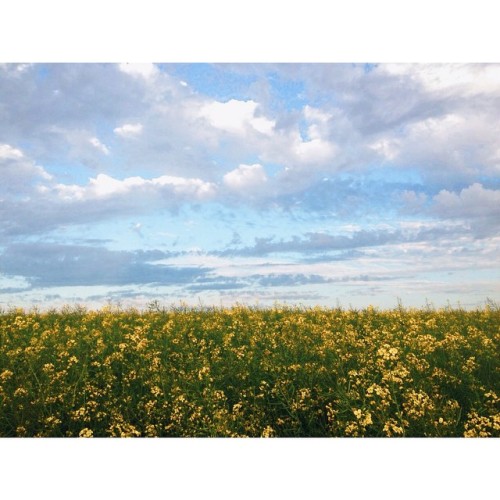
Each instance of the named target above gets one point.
<point>253,183</point>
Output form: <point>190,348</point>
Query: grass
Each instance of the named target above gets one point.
<point>282,371</point>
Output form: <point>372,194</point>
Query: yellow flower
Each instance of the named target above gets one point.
<point>20,392</point>
<point>6,375</point>
<point>156,391</point>
<point>72,360</point>
<point>151,431</point>
<point>86,433</point>
<point>364,419</point>
<point>391,428</point>
<point>268,432</point>
<point>21,431</point>
<point>48,368</point>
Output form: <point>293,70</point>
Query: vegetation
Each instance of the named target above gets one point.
<point>250,372</point>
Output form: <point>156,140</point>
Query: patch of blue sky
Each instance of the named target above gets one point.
<point>286,94</point>
<point>219,227</point>
<point>104,131</point>
<point>489,181</point>
<point>486,273</point>
<point>387,174</point>
<point>369,67</point>
<point>348,199</point>
<point>188,229</point>
<point>142,232</point>
<point>272,169</point>
<point>250,223</point>
<point>42,72</point>
<point>211,227</point>
<point>235,81</point>
<point>70,172</point>
<point>213,80</point>
<point>303,127</point>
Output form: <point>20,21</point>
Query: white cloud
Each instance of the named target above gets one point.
<point>467,79</point>
<point>314,151</point>
<point>78,144</point>
<point>8,152</point>
<point>143,70</point>
<point>104,186</point>
<point>129,130</point>
<point>316,115</point>
<point>17,172</point>
<point>246,177</point>
<point>15,70</point>
<point>441,126</point>
<point>463,143</point>
<point>197,188</point>
<point>388,148</point>
<point>99,145</point>
<point>236,117</point>
<point>262,125</point>
<point>312,147</point>
<point>413,202</point>
<point>473,201</point>
<point>439,140</point>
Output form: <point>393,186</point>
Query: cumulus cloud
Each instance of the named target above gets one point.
<point>473,201</point>
<point>58,108</point>
<point>19,173</point>
<point>129,130</point>
<point>99,145</point>
<point>388,148</point>
<point>104,186</point>
<point>236,117</point>
<point>32,201</point>
<point>246,178</point>
<point>314,151</point>
<point>438,119</point>
<point>452,130</point>
<point>413,202</point>
<point>140,70</point>
<point>8,152</point>
<point>389,112</point>
<point>316,115</point>
<point>305,143</point>
<point>446,147</point>
<point>465,79</point>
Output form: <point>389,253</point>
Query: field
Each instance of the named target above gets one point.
<point>282,371</point>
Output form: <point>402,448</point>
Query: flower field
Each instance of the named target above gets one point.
<point>282,371</point>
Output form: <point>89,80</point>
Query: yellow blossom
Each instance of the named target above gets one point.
<point>86,433</point>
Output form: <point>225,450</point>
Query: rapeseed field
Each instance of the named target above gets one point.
<point>242,371</point>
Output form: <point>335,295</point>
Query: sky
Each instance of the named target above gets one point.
<point>254,183</point>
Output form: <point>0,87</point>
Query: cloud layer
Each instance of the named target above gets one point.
<point>373,177</point>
